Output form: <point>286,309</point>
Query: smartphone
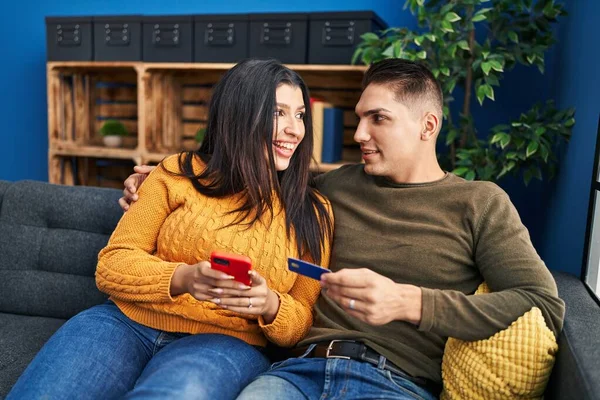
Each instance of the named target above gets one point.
<point>232,264</point>
<point>306,268</point>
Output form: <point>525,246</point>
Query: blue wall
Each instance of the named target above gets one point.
<point>578,84</point>
<point>555,212</point>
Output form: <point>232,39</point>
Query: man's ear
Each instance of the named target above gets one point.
<point>431,123</point>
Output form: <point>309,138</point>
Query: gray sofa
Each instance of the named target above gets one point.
<point>50,236</point>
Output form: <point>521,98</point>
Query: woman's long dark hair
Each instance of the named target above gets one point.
<point>237,152</point>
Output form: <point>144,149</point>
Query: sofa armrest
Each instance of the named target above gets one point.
<point>575,374</point>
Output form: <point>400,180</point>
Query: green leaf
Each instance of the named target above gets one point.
<point>505,141</point>
<point>570,122</point>
<point>492,80</point>
<point>480,94</point>
<point>477,18</point>
<point>431,37</point>
<point>531,149</point>
<point>544,152</point>
<point>447,26</point>
<point>397,49</point>
<point>389,52</point>
<point>496,138</point>
<point>527,177</point>
<point>445,71</point>
<point>496,65</point>
<point>513,37</point>
<point>452,17</point>
<point>486,67</point>
<point>540,131</point>
<point>369,36</point>
<point>463,45</point>
<point>470,175</point>
<point>485,54</point>
<point>489,92</point>
<point>460,171</point>
<point>531,58</point>
<point>451,136</point>
<point>418,40</point>
<point>511,155</point>
<point>422,54</point>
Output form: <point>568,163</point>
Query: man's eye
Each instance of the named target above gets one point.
<point>378,118</point>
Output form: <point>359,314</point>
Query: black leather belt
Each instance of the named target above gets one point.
<point>353,350</point>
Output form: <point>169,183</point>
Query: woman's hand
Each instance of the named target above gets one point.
<point>200,280</point>
<point>255,300</point>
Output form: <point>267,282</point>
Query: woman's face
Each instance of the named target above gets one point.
<point>289,124</point>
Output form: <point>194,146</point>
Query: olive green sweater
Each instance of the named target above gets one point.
<point>445,237</point>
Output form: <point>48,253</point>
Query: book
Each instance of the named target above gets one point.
<point>333,135</point>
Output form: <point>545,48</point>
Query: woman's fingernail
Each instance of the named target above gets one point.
<point>226,276</point>
<point>216,300</point>
<point>242,286</point>
<point>216,290</point>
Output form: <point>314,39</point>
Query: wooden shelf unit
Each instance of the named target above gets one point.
<point>162,105</point>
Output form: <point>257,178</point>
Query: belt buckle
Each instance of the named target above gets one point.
<point>330,347</point>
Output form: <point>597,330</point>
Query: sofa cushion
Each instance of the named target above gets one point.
<point>50,236</point>
<point>21,337</point>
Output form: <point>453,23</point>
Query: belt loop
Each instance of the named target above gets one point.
<point>309,350</point>
<point>381,363</point>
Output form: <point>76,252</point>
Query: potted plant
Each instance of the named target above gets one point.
<point>470,44</point>
<point>112,132</point>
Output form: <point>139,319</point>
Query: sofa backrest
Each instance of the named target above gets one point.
<point>50,236</point>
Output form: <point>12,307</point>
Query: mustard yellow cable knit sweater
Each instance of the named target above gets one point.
<point>173,224</point>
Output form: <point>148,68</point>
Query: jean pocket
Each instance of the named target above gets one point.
<point>405,386</point>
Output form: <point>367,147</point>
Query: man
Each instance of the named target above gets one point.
<point>411,245</point>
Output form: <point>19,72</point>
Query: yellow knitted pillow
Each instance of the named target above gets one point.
<point>513,364</point>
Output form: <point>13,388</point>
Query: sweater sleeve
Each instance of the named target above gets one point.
<point>127,269</point>
<point>512,269</point>
<point>295,315</point>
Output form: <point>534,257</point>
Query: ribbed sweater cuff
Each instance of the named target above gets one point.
<point>278,325</point>
<point>164,285</point>
<point>427,309</point>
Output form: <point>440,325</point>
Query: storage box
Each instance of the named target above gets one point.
<point>69,38</point>
<point>168,38</point>
<point>221,38</point>
<point>118,38</point>
<point>280,36</point>
<point>334,36</point>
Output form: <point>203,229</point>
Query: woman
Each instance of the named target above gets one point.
<point>174,327</point>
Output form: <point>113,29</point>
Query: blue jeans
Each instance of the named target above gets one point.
<point>333,378</point>
<point>102,354</point>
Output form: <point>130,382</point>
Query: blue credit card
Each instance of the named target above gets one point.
<point>306,268</point>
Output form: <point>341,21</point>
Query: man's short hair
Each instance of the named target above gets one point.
<point>413,83</point>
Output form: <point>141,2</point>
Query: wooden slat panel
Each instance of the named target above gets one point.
<point>119,93</point>
<point>339,98</point>
<point>190,128</point>
<point>350,118</point>
<point>54,169</point>
<point>115,77</point>
<point>157,102</point>
<point>69,114</point>
<point>53,118</point>
<point>332,80</point>
<point>197,94</point>
<point>189,144</point>
<point>82,108</point>
<point>199,77</point>
<point>113,110</point>
<point>349,136</point>
<point>195,112</point>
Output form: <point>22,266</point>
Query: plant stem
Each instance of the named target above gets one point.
<point>468,88</point>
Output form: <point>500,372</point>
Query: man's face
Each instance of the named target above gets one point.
<point>388,132</point>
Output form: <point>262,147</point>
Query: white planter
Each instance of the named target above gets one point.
<point>112,141</point>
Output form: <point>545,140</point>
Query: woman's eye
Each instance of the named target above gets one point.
<point>300,115</point>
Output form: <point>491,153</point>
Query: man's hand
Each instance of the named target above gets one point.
<point>132,184</point>
<point>373,298</point>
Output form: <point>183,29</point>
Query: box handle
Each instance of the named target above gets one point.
<point>68,35</point>
<point>276,33</point>
<point>165,35</point>
<point>219,34</point>
<point>116,34</point>
<point>338,34</point>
